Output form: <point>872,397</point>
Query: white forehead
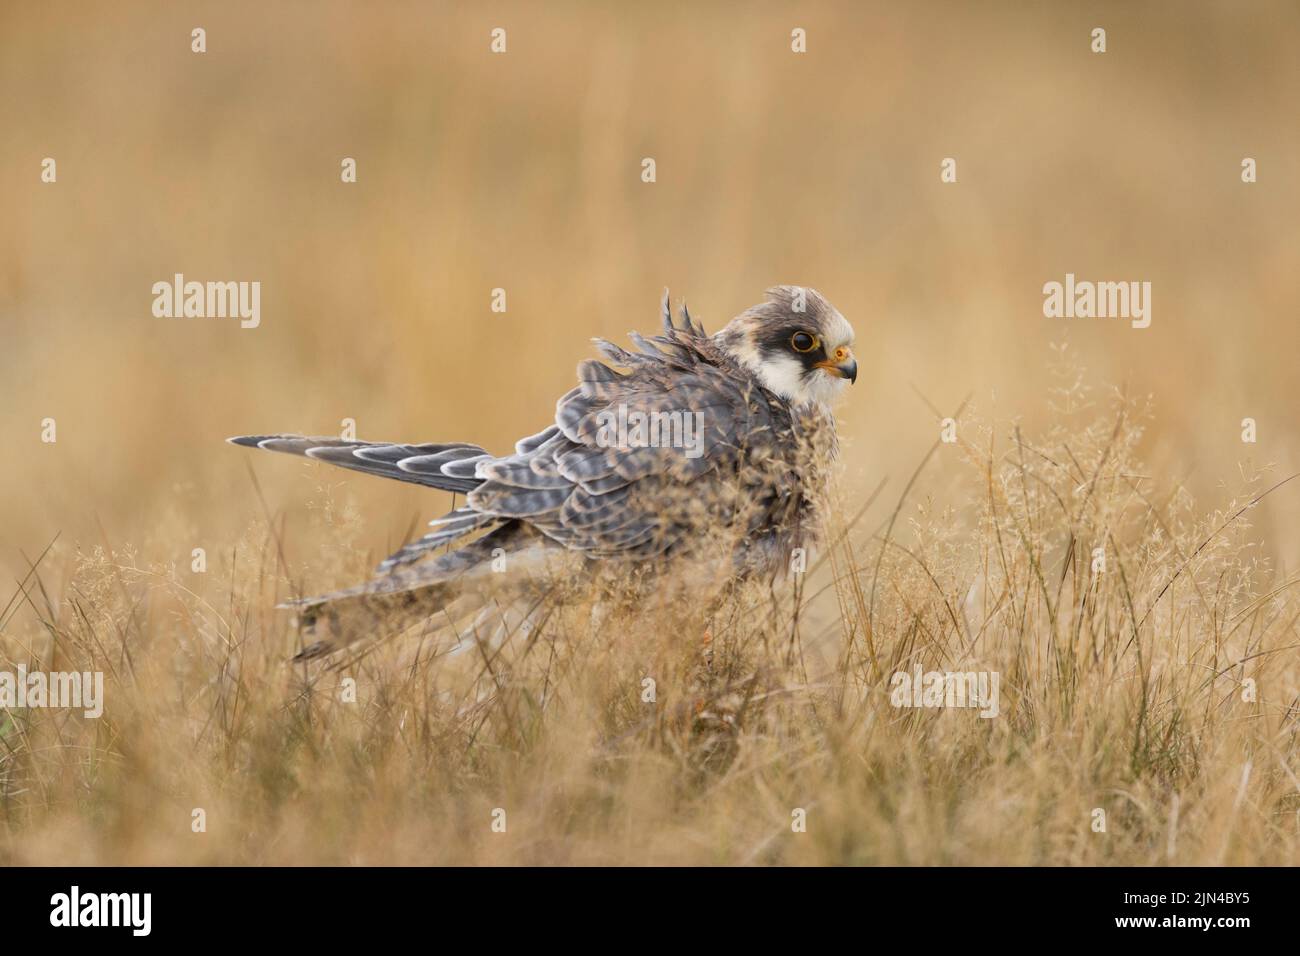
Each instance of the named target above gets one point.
<point>823,318</point>
<point>836,330</point>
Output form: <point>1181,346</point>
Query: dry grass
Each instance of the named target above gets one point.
<point>1122,689</point>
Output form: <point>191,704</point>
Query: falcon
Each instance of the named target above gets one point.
<point>703,456</point>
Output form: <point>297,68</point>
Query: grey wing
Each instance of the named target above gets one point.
<point>576,485</point>
<point>581,490</point>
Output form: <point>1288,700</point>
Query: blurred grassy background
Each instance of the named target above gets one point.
<point>522,171</point>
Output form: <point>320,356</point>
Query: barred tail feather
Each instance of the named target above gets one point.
<point>418,464</point>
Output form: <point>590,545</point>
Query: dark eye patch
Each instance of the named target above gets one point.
<point>776,341</point>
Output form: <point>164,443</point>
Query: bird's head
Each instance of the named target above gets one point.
<point>796,344</point>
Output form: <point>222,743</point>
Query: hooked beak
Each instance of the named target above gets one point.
<point>841,364</point>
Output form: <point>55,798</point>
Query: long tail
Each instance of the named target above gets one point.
<point>419,464</point>
<point>447,467</point>
<point>416,583</point>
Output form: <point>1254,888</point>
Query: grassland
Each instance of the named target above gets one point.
<point>1147,656</point>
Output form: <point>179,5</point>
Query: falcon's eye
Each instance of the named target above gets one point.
<point>803,341</point>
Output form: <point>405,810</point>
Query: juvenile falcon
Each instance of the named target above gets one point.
<point>695,450</point>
